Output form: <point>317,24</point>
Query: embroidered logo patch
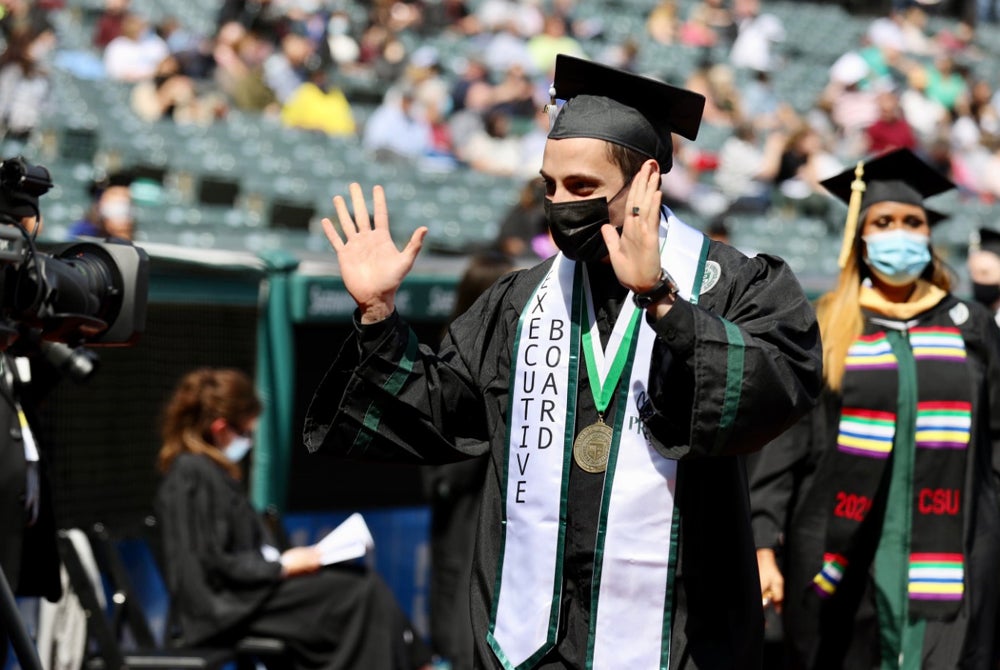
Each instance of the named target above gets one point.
<point>710,277</point>
<point>959,314</point>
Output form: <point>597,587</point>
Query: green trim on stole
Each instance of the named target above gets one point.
<point>392,385</point>
<point>570,431</point>
<point>609,480</point>
<point>901,639</point>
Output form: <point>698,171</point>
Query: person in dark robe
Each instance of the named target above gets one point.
<point>613,387</point>
<point>882,504</point>
<point>224,581</point>
<point>454,491</point>
<point>984,270</point>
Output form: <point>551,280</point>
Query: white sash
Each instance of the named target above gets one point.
<point>633,565</point>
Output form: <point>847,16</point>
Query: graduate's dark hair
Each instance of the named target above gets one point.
<point>201,397</point>
<point>629,161</point>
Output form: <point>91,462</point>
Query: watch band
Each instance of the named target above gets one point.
<point>663,287</point>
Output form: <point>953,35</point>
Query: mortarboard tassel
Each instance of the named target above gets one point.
<point>552,109</point>
<point>853,211</point>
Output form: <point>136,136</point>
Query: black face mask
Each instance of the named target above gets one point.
<point>986,294</point>
<point>576,226</point>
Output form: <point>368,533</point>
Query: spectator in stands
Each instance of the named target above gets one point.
<point>524,222</point>
<point>25,89</point>
<point>716,81</point>
<point>883,500</point>
<point>945,83</point>
<point>318,105</point>
<point>172,95</point>
<point>744,174</point>
<point>662,22</point>
<point>495,149</point>
<point>396,129</point>
<point>890,131</point>
<point>717,17</point>
<point>926,116</point>
<point>109,23</point>
<point>239,57</point>
<point>760,102</point>
<point>225,581</point>
<point>803,164</point>
<point>288,68</point>
<point>850,98</point>
<point>553,40</point>
<point>111,214</point>
<point>757,34</point>
<point>696,31</point>
<point>984,270</point>
<point>135,54</point>
<point>454,491</point>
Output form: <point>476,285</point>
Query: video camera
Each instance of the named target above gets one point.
<point>90,293</point>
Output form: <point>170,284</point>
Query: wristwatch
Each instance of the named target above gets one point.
<point>663,287</point>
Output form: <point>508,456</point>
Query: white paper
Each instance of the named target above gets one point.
<point>349,540</point>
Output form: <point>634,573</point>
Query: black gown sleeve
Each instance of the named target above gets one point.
<point>732,372</point>
<point>387,397</point>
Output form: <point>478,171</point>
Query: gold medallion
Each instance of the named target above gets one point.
<point>592,447</point>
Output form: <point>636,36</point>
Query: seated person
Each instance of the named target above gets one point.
<point>224,582</point>
<point>111,213</point>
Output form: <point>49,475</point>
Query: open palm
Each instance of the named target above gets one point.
<point>635,254</point>
<point>371,266</point>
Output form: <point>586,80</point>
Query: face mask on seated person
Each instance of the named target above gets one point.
<point>897,257</point>
<point>236,450</point>
<point>576,226</point>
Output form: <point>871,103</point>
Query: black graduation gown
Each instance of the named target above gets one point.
<point>454,404</point>
<point>222,588</point>
<point>790,513</point>
<point>28,554</point>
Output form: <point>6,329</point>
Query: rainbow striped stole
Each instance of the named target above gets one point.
<point>866,432</point>
<point>935,576</point>
<point>828,579</point>
<point>937,343</point>
<point>870,352</point>
<point>944,424</point>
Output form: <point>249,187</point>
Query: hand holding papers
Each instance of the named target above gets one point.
<point>349,540</point>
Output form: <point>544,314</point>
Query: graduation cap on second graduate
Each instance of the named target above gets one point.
<point>897,176</point>
<point>623,108</point>
<point>988,240</point>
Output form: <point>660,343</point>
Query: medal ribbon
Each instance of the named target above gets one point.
<point>602,375</point>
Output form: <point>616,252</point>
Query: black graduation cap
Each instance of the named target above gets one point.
<point>623,108</point>
<point>896,176</point>
<point>989,240</point>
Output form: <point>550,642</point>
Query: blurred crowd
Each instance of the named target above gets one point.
<point>371,71</point>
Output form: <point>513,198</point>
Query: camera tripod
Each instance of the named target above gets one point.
<point>10,621</point>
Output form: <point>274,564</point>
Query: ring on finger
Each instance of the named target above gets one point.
<point>635,211</point>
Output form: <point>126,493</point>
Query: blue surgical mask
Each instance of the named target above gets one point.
<point>897,257</point>
<point>236,450</point>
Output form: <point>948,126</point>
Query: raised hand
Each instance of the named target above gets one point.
<point>371,266</point>
<point>635,255</point>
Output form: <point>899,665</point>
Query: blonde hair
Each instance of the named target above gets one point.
<point>201,397</point>
<point>839,311</point>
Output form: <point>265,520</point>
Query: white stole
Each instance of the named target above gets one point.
<point>633,564</point>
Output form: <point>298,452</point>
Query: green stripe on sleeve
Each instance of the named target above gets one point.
<point>735,358</point>
<point>392,385</point>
